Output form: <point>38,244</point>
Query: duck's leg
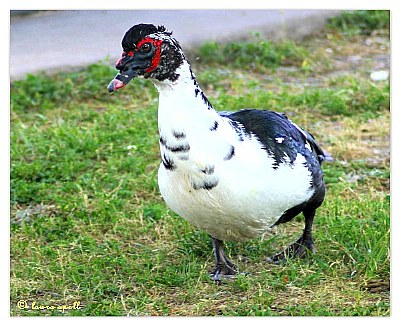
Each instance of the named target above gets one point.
<point>224,268</point>
<point>302,246</point>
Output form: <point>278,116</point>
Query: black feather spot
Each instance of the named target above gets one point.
<point>163,141</point>
<point>168,163</point>
<point>214,126</point>
<point>206,101</point>
<point>178,134</point>
<point>178,148</point>
<point>207,185</point>
<point>230,154</point>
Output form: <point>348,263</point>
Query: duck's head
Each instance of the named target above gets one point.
<point>148,51</point>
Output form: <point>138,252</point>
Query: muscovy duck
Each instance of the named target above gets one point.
<point>232,174</point>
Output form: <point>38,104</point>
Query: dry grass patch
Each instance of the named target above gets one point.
<point>349,139</point>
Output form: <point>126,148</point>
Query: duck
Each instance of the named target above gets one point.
<point>234,175</point>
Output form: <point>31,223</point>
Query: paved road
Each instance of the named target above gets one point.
<point>61,40</point>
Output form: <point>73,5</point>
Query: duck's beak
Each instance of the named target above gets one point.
<point>129,67</point>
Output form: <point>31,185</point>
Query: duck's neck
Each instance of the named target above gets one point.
<point>182,103</point>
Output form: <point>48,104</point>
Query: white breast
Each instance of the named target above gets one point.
<point>249,197</point>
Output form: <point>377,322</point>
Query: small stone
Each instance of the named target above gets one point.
<point>379,75</point>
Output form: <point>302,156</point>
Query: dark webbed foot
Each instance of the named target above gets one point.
<point>223,272</point>
<point>224,269</point>
<point>302,247</point>
<point>299,249</point>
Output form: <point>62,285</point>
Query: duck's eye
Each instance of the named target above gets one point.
<point>146,47</point>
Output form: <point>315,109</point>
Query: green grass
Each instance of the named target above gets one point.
<point>360,22</point>
<point>88,223</point>
<point>253,54</point>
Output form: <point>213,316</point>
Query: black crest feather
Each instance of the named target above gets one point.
<point>138,32</point>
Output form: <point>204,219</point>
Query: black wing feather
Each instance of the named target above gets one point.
<point>268,126</point>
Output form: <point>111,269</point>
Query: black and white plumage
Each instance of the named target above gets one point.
<point>232,174</point>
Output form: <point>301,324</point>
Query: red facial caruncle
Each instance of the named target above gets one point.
<point>156,59</point>
<point>157,55</point>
